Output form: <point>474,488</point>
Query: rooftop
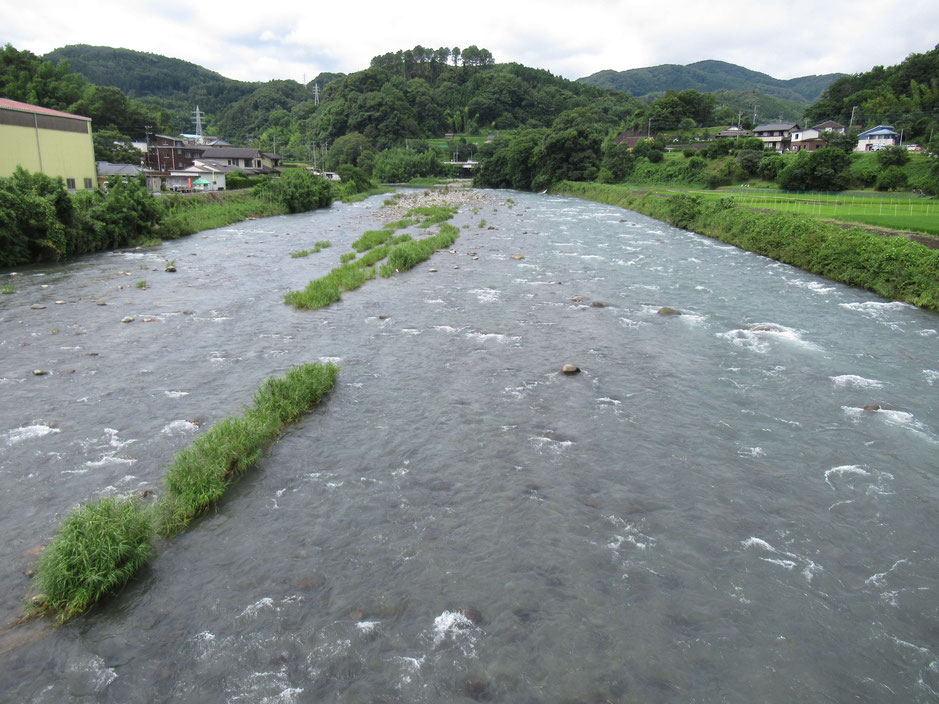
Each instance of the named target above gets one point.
<point>7,104</point>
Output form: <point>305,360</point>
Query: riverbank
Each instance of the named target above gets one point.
<point>892,267</point>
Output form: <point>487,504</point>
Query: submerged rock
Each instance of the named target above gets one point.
<point>171,269</point>
<point>519,257</point>
<point>578,299</point>
<point>473,614</point>
<point>570,369</point>
<point>127,319</point>
<point>871,407</point>
<point>665,310</point>
<point>36,306</point>
<point>39,372</point>
<point>597,304</point>
<point>476,688</point>
<point>764,327</point>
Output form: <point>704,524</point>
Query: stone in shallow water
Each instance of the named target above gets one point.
<point>665,310</point>
<point>570,369</point>
<point>127,319</point>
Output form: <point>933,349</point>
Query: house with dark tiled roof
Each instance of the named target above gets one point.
<point>775,134</point>
<point>810,138</point>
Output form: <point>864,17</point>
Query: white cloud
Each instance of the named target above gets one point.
<point>262,41</point>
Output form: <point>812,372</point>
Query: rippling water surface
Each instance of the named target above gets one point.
<point>704,514</point>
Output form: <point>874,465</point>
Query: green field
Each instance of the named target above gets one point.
<point>896,211</point>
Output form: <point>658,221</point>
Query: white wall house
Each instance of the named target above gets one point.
<point>877,138</point>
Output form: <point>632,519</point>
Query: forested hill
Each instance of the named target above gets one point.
<point>905,96</point>
<point>411,94</point>
<point>707,77</point>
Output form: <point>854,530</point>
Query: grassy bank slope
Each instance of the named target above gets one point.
<point>891,267</point>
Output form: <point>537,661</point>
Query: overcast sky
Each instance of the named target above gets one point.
<point>260,41</point>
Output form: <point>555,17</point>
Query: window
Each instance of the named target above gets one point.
<point>87,184</point>
<point>70,184</point>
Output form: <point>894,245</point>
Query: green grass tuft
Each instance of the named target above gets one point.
<point>347,257</point>
<point>201,473</point>
<point>98,548</point>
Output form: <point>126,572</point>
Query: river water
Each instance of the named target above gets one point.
<point>704,514</point>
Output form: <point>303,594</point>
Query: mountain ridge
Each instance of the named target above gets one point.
<point>707,76</point>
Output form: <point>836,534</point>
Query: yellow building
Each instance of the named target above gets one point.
<point>53,142</point>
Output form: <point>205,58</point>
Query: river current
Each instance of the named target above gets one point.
<point>706,513</point>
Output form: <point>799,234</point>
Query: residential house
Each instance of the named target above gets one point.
<point>53,142</point>
<point>775,134</point>
<point>205,175</point>
<point>734,133</point>
<point>248,159</point>
<point>877,138</point>
<point>107,171</point>
<point>167,153</point>
<point>810,138</point>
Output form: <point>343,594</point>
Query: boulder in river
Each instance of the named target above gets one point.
<point>36,306</point>
<point>570,369</point>
<point>665,310</point>
<point>519,257</point>
<point>473,614</point>
<point>764,327</point>
<point>39,372</point>
<point>871,407</point>
<point>597,304</point>
<point>127,319</point>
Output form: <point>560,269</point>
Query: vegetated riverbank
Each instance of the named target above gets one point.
<point>892,267</point>
<point>101,545</point>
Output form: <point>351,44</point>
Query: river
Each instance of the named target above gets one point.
<point>704,514</point>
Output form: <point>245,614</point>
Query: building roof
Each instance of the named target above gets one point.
<point>106,168</point>
<point>880,129</point>
<point>216,165</point>
<point>775,127</point>
<point>7,104</point>
<point>231,153</point>
<point>828,125</point>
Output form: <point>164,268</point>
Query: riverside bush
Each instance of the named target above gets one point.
<point>892,267</point>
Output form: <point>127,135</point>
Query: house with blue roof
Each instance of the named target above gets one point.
<point>877,138</point>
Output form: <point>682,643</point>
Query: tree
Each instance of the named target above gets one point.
<point>298,190</point>
<point>892,156</point>
<point>348,149</point>
<point>825,169</point>
<point>893,178</point>
<point>846,141</point>
<point>749,160</point>
<point>111,145</point>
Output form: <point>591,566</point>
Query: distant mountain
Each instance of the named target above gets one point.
<point>707,77</point>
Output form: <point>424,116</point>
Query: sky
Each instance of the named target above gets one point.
<point>294,39</point>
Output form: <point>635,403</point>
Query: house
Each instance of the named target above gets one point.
<point>877,138</point>
<point>107,171</point>
<point>53,142</point>
<point>734,133</point>
<point>244,158</point>
<point>810,138</point>
<point>775,134</point>
<point>165,153</point>
<point>199,177</point>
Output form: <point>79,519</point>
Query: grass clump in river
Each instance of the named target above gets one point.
<point>98,548</point>
<point>316,248</point>
<point>409,254</point>
<point>327,289</point>
<point>201,473</point>
<point>102,545</point>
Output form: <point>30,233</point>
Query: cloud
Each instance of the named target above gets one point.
<point>259,41</point>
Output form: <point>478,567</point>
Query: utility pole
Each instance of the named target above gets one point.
<point>649,129</point>
<point>851,123</point>
<point>754,113</point>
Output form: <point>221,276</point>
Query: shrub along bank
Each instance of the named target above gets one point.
<point>102,545</point>
<point>892,267</point>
